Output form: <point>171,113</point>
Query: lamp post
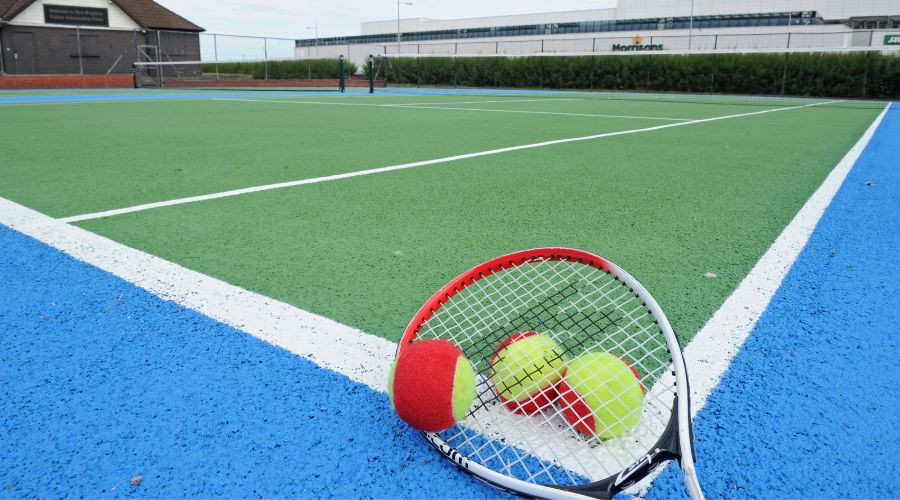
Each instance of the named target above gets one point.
<point>398,22</point>
<point>315,27</point>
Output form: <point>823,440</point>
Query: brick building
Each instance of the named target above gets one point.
<point>91,37</point>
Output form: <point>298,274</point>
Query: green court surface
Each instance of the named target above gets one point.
<point>668,205</point>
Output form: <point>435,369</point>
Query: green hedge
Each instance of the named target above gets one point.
<point>852,75</point>
<point>284,70</point>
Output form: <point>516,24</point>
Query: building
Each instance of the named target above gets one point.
<point>631,25</point>
<point>91,37</point>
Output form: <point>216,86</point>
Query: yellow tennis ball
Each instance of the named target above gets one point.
<point>601,395</point>
<point>525,370</point>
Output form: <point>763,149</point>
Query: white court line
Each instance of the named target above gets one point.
<point>348,175</point>
<point>365,358</point>
<point>634,117</point>
<point>711,351</point>
<point>716,344</point>
<point>546,99</point>
<point>359,356</point>
<point>423,106</point>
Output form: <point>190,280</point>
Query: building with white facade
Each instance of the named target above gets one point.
<point>631,25</point>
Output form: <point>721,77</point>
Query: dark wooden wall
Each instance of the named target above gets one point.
<point>43,51</point>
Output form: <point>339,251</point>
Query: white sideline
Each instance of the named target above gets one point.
<point>361,357</point>
<point>504,101</point>
<point>426,106</point>
<point>711,351</point>
<point>348,175</point>
<point>558,113</point>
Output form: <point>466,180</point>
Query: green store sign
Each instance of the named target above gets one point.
<point>618,47</point>
<point>637,45</point>
<point>892,39</point>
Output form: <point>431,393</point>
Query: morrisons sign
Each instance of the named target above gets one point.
<point>637,45</point>
<point>892,39</point>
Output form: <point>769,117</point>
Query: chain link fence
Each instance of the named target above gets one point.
<point>699,40</point>
<point>38,50</point>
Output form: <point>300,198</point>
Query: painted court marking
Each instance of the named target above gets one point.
<point>635,117</point>
<point>348,175</point>
<point>716,344</point>
<point>710,352</point>
<point>366,358</point>
<point>546,99</point>
<point>424,106</point>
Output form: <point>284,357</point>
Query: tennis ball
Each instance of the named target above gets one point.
<point>525,370</point>
<point>601,395</point>
<point>431,385</point>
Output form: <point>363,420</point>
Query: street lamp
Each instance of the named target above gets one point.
<point>315,26</point>
<point>399,3</point>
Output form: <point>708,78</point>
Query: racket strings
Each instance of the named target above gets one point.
<point>583,309</point>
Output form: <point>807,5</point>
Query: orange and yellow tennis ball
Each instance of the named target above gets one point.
<point>601,395</point>
<point>525,369</point>
<point>431,385</point>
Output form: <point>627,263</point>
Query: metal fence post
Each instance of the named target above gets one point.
<point>266,56</point>
<point>78,42</point>
<point>162,78</point>
<point>216,53</point>
<point>865,75</point>
<point>2,57</point>
<point>784,74</point>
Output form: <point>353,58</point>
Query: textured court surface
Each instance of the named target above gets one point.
<point>809,407</point>
<point>94,359</point>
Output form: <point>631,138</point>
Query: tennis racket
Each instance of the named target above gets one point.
<point>586,304</point>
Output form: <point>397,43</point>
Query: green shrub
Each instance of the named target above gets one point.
<point>851,75</point>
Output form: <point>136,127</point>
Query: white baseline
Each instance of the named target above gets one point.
<point>348,175</point>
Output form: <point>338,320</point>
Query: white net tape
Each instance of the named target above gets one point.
<point>584,310</point>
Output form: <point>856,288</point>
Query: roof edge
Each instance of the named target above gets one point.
<point>196,29</point>
<point>9,15</point>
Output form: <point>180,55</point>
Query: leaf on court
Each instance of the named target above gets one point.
<point>870,183</point>
<point>711,275</point>
<point>136,480</point>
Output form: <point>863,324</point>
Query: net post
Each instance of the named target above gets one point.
<point>341,65</point>
<point>371,74</point>
<point>134,74</point>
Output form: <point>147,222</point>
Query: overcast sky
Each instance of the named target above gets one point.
<point>289,18</point>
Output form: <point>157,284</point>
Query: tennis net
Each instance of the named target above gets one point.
<point>335,74</point>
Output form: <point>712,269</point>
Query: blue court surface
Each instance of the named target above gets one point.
<point>810,408</point>
<point>102,382</point>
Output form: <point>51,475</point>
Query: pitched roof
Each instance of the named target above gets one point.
<point>9,8</point>
<point>152,15</point>
<point>146,13</point>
